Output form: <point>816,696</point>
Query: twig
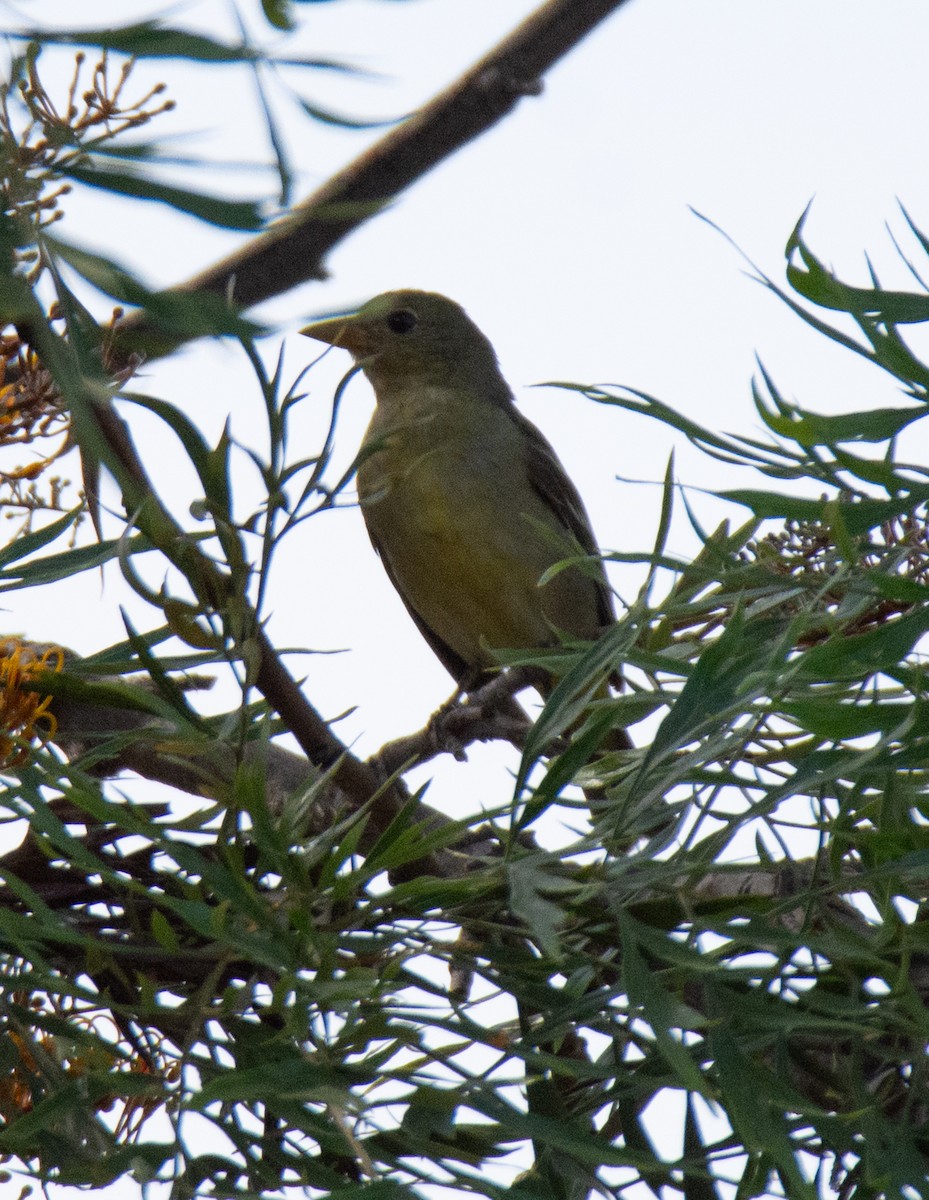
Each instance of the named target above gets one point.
<point>486,714</point>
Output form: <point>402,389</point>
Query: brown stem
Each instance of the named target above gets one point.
<point>293,250</point>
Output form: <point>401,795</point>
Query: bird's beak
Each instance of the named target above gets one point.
<point>349,333</point>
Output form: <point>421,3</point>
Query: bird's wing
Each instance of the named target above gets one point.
<point>550,481</point>
<point>456,666</point>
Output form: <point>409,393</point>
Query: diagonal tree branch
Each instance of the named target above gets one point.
<point>294,249</point>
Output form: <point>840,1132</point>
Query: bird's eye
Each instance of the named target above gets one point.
<point>402,321</point>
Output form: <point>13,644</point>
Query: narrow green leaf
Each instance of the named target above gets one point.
<point>193,314</point>
<point>859,515</point>
<point>214,210</point>
<point>811,429</point>
<point>661,1011</point>
<point>190,437</point>
<point>879,649</point>
<point>328,117</point>
<point>533,885</point>
<point>744,1088</point>
<point>69,563</point>
<point>572,694</point>
<point>146,39</point>
<point>716,681</point>
<point>838,721</point>
<point>278,14</point>
<point>296,1079</point>
<point>28,543</point>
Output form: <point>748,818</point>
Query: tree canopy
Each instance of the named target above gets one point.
<point>305,976</point>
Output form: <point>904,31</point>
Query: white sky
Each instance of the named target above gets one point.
<point>566,233</point>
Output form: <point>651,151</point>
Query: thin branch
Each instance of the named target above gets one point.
<point>294,249</point>
<point>489,713</point>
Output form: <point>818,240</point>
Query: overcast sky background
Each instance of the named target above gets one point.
<point>567,233</point>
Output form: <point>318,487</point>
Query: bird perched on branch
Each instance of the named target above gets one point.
<point>465,501</point>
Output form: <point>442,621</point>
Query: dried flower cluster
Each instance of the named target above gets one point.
<point>805,552</point>
<point>801,549</point>
<point>37,1053</point>
<point>31,411</point>
<point>30,404</point>
<point>38,141</point>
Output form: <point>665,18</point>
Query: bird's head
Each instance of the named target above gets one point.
<point>408,337</point>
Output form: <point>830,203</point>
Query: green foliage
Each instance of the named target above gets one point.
<point>334,999</point>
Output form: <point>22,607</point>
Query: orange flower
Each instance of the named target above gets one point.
<point>24,714</point>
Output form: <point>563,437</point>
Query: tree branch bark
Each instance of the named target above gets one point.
<point>293,250</point>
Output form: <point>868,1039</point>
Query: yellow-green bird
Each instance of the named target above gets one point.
<point>465,501</point>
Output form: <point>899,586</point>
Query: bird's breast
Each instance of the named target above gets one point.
<point>435,472</point>
<point>446,498</point>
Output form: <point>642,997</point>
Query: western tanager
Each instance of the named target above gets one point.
<point>464,499</point>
